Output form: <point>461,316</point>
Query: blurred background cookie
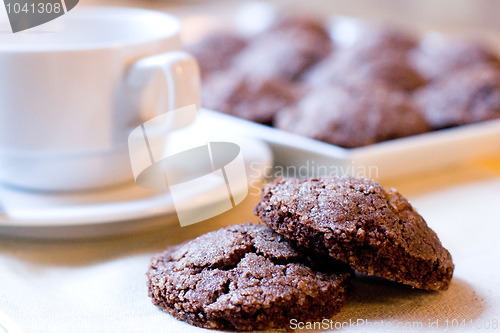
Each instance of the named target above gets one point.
<point>250,97</point>
<point>351,65</point>
<point>438,56</point>
<point>463,97</point>
<point>284,52</point>
<point>376,54</point>
<point>215,51</point>
<point>353,115</point>
<point>359,79</point>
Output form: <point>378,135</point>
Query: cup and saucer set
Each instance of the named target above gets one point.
<point>101,132</point>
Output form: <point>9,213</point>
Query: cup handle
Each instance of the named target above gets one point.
<point>182,75</point>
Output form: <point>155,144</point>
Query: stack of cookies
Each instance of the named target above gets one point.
<point>386,83</point>
<point>317,232</point>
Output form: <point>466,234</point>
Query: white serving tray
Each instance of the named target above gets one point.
<point>300,156</point>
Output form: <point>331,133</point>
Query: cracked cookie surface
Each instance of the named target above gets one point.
<point>246,277</point>
<point>357,221</point>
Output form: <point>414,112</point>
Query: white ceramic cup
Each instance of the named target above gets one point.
<point>72,91</point>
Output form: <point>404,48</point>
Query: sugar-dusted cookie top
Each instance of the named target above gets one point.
<point>246,277</point>
<point>355,220</point>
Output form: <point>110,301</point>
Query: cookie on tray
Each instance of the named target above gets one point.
<point>467,96</point>
<point>376,54</point>
<point>283,53</point>
<point>390,68</point>
<point>246,277</point>
<point>376,39</point>
<point>353,115</point>
<point>303,21</point>
<point>215,51</point>
<point>357,221</point>
<point>250,97</point>
<point>438,56</point>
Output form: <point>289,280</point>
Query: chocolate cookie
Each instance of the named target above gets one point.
<point>467,96</point>
<point>375,54</point>
<point>303,21</point>
<point>245,277</point>
<point>283,53</point>
<point>352,65</point>
<point>439,56</point>
<point>376,39</point>
<point>355,220</point>
<point>215,51</point>
<point>254,98</point>
<point>353,115</point>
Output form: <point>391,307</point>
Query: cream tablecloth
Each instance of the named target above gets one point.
<point>99,285</point>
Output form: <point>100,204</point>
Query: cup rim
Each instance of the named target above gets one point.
<point>153,19</point>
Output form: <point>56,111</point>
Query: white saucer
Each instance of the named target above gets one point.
<point>121,209</point>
